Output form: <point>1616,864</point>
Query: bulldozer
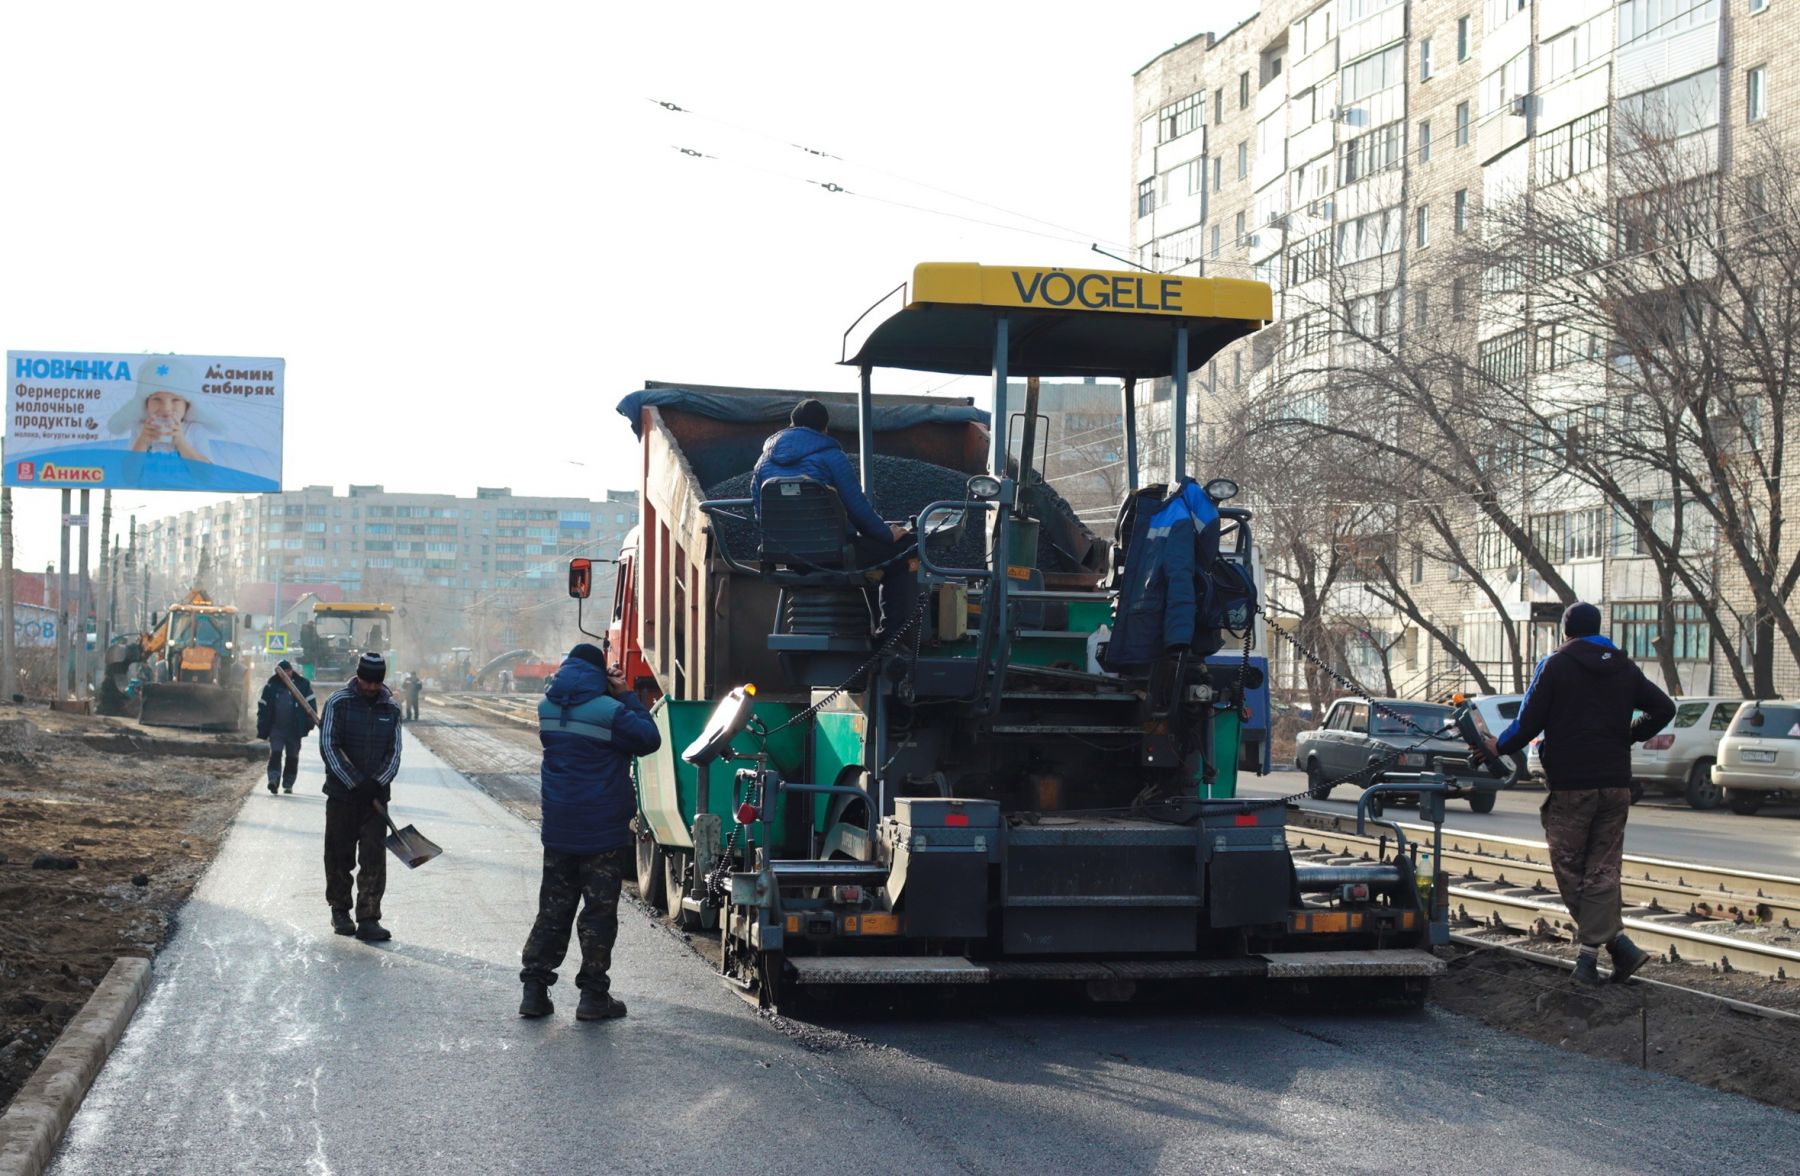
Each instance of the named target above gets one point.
<point>184,673</point>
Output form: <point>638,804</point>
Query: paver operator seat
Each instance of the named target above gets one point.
<point>804,548</point>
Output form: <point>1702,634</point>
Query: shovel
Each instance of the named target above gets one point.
<point>408,844</point>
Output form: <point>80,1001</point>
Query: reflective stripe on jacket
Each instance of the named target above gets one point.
<point>589,740</point>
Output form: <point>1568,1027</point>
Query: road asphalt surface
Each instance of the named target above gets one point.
<point>1660,826</point>
<point>268,1044</point>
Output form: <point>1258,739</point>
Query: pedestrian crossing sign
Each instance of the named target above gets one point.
<point>275,642</point>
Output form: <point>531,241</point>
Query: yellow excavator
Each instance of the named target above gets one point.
<point>187,670</point>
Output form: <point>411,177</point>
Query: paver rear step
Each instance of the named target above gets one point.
<point>956,970</point>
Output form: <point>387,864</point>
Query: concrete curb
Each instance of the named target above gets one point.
<point>33,1126</point>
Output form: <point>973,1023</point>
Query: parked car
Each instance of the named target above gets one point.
<point>1680,758</point>
<point>1355,737</point>
<point>1759,757</point>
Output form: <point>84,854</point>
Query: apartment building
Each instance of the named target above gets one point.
<point>498,549</point>
<point>1333,150</point>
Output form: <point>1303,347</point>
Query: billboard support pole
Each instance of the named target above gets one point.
<point>62,602</point>
<point>104,595</point>
<point>83,598</point>
<point>7,602</point>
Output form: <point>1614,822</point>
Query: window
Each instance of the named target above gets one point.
<point>1244,90</point>
<point>1425,60</point>
<point>1722,715</point>
<point>1218,172</point>
<point>1461,217</point>
<point>1370,236</point>
<point>1546,531</point>
<point>1587,534</point>
<point>1573,50</point>
<point>1457,300</point>
<point>1758,6</point>
<point>1178,118</point>
<point>1688,713</point>
<point>1240,230</point>
<point>1505,358</point>
<point>1498,12</point>
<point>1462,38</point>
<point>1561,344</point>
<point>1215,240</point>
<point>1310,259</point>
<point>1641,19</point>
<point>1418,568</point>
<point>1462,124</point>
<point>1218,106</point>
<point>1377,151</point>
<point>1679,108</point>
<point>1194,176</point>
<point>1423,217</point>
<point>1572,149</point>
<point>1419,308</point>
<point>1635,628</point>
<point>1425,140</point>
<point>1146,197</point>
<point>1243,160</point>
<point>1756,99</point>
<point>1510,81</point>
<point>1371,75</point>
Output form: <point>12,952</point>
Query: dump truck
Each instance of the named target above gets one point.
<point>984,796</point>
<point>185,672</point>
<point>339,633</point>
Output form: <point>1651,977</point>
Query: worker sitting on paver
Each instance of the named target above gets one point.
<point>806,450</point>
<point>359,737</point>
<point>1581,699</point>
<point>591,725</point>
<point>284,721</point>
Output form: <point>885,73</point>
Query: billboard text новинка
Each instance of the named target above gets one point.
<point>144,422</point>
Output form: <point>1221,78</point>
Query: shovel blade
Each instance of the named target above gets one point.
<point>412,847</point>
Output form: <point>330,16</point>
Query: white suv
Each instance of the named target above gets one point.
<point>1679,759</point>
<point>1759,758</point>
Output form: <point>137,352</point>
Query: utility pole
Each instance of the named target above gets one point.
<point>62,601</point>
<point>84,598</point>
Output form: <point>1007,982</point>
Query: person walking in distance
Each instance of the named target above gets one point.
<point>1581,700</point>
<point>413,687</point>
<point>284,721</point>
<point>359,738</point>
<point>591,725</point>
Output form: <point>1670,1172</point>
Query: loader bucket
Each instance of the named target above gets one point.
<point>195,705</point>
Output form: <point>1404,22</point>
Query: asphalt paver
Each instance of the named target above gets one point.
<point>268,1044</point>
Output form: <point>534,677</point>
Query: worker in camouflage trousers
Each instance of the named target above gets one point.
<point>1581,700</point>
<point>359,736</point>
<point>591,725</point>
<point>284,721</point>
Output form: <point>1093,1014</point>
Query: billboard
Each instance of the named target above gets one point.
<point>143,422</point>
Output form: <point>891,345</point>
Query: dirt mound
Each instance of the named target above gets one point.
<point>1685,1035</point>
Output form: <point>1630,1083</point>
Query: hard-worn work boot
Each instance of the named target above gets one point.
<point>1627,958</point>
<point>1587,973</point>
<point>342,923</point>
<point>537,1000</point>
<point>273,785</point>
<point>371,931</point>
<point>288,788</point>
<point>597,1006</point>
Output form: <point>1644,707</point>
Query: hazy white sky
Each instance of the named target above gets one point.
<point>469,232</point>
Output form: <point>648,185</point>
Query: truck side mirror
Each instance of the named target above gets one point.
<point>581,578</point>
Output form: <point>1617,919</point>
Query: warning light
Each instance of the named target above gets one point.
<point>750,689</point>
<point>747,814</point>
<point>956,820</point>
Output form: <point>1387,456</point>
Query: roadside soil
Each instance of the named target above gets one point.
<point>1683,1034</point>
<point>139,820</point>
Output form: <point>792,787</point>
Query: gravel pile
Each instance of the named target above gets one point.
<point>902,487</point>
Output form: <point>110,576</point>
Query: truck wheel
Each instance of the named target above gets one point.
<point>650,872</point>
<point>1743,801</point>
<point>674,867</point>
<point>1701,792</point>
<point>1483,801</point>
<point>1317,786</point>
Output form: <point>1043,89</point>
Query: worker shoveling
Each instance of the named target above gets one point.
<point>408,844</point>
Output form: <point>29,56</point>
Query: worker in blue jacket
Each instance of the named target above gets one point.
<point>1164,588</point>
<point>806,450</point>
<point>591,725</point>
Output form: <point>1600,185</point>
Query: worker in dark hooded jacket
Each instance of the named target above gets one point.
<point>359,739</point>
<point>284,721</point>
<point>806,450</point>
<point>1581,700</point>
<point>591,725</point>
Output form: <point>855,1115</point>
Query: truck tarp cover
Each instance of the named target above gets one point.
<point>773,410</point>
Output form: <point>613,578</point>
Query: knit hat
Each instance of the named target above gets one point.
<point>810,414</point>
<point>283,663</point>
<point>371,667</point>
<point>591,654</point>
<point>1581,620</point>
